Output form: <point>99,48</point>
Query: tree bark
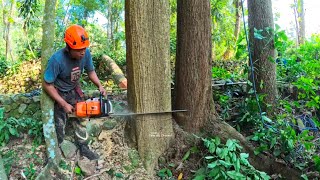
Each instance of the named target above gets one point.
<point>148,68</point>
<point>237,4</point>
<point>263,51</point>
<point>299,12</point>
<point>193,90</point>
<point>47,104</point>
<point>7,15</point>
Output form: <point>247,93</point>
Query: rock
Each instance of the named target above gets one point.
<point>93,129</point>
<point>7,108</point>
<point>109,124</point>
<point>87,167</point>
<point>36,98</point>
<point>104,136</point>
<point>15,113</point>
<point>5,100</point>
<point>68,149</point>
<point>22,108</point>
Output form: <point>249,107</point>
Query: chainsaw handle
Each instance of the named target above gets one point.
<point>110,108</point>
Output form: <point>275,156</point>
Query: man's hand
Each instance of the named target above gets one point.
<point>102,91</point>
<point>68,108</point>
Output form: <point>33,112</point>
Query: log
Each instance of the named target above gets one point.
<point>116,72</point>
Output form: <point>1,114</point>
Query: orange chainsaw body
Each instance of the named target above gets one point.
<point>88,109</point>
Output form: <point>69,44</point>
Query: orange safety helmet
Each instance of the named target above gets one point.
<point>76,37</point>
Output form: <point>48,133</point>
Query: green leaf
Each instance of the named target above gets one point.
<point>244,158</point>
<point>77,170</point>
<point>235,175</point>
<point>186,156</point>
<point>257,34</point>
<point>265,118</point>
<point>224,163</point>
<point>237,165</point>
<point>119,175</point>
<point>12,131</point>
<point>231,145</point>
<point>305,177</point>
<point>214,172</point>
<point>213,164</point>
<point>169,173</point>
<point>209,157</point>
<point>200,177</point>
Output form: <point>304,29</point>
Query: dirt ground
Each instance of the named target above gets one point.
<point>117,160</point>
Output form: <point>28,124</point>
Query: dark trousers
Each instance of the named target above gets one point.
<point>61,119</point>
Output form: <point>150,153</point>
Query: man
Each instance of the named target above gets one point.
<point>61,82</point>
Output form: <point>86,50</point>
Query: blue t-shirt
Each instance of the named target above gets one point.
<point>65,72</point>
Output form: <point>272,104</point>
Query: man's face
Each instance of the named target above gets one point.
<point>77,53</point>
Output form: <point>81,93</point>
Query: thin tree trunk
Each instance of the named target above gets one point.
<point>229,53</point>
<point>148,66</point>
<point>47,104</point>
<point>263,51</point>
<point>300,20</point>
<point>7,26</point>
<point>237,26</point>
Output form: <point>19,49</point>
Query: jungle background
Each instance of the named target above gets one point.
<point>284,128</point>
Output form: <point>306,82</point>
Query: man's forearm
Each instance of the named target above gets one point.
<point>94,78</point>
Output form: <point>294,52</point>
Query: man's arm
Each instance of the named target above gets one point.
<point>94,78</point>
<point>53,93</point>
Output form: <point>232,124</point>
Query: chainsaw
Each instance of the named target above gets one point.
<point>100,107</point>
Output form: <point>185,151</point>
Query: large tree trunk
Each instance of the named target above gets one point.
<point>148,67</point>
<point>263,51</point>
<point>193,90</point>
<point>47,104</point>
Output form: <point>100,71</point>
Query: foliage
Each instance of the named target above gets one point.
<point>226,161</point>
<point>221,73</point>
<point>8,159</point>
<point>282,140</point>
<point>8,127</point>
<point>223,20</point>
<point>30,172</point>
<point>165,173</point>
<point>12,127</point>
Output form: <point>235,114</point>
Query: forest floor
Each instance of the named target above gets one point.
<point>117,160</point>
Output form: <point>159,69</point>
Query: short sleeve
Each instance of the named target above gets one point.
<point>88,66</point>
<point>52,71</point>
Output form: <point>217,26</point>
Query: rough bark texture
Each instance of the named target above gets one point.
<point>193,90</point>
<point>263,50</point>
<point>148,72</point>
<point>48,27</point>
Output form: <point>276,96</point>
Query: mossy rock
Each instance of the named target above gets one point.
<point>16,114</point>
<point>5,100</point>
